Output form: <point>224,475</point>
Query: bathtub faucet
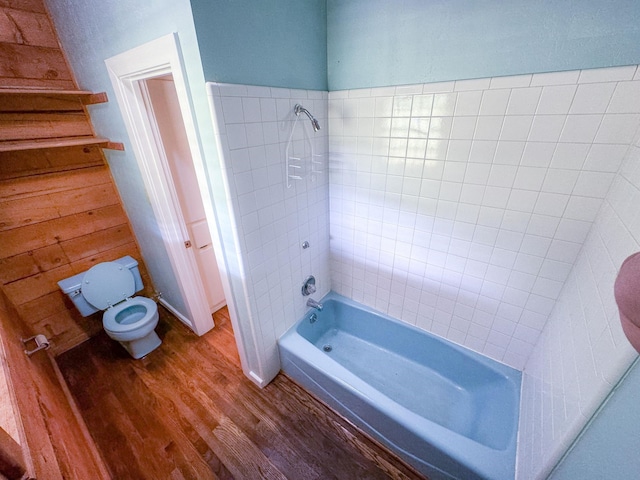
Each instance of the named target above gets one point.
<point>313,304</point>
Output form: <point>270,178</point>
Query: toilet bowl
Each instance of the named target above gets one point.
<point>132,323</point>
<point>110,286</point>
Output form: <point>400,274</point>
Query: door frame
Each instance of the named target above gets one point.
<point>128,72</point>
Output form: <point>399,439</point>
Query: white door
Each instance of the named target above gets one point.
<point>166,108</point>
<point>207,264</point>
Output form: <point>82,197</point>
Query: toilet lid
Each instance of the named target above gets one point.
<point>106,284</point>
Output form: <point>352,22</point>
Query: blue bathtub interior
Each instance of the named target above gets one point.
<point>448,411</point>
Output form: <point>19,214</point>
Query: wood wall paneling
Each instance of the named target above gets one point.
<point>32,210</point>
<point>56,440</point>
<point>40,67</point>
<point>60,229</point>
<point>38,162</point>
<point>60,212</point>
<point>31,126</point>
<point>40,184</point>
<point>29,49</point>
<point>26,28</point>
<point>36,6</point>
<point>12,465</point>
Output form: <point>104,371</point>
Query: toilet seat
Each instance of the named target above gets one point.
<point>112,320</point>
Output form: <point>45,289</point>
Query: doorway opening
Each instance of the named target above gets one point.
<point>189,303</point>
<point>164,108</point>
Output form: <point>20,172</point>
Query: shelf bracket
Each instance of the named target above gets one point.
<point>94,98</point>
<point>114,146</point>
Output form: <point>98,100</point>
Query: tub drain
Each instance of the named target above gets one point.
<point>327,348</point>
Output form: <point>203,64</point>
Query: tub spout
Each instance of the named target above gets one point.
<point>313,304</point>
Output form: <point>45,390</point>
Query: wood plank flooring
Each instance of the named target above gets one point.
<point>186,411</point>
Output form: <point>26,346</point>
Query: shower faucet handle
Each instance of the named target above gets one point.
<point>309,286</point>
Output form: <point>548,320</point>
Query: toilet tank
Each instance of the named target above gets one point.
<point>72,286</point>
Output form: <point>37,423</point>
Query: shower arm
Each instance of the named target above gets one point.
<point>297,109</point>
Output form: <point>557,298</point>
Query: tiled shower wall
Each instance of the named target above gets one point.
<point>461,207</point>
<point>582,352</point>
<point>254,126</point>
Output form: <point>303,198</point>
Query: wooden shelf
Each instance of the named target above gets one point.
<point>85,97</point>
<point>32,100</point>
<point>22,145</point>
<point>37,119</point>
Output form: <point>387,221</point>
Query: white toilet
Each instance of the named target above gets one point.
<point>110,286</point>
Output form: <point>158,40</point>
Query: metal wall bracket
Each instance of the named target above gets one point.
<point>41,343</point>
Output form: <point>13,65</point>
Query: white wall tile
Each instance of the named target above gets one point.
<point>440,127</point>
<point>523,101</point>
<point>626,98</point>
<point>462,128</point>
<point>494,102</point>
<point>551,204</point>
<point>538,154</point>
<point>468,103</point>
<point>611,74</point>
<point>279,92</point>
<point>593,184</point>
<point>474,84</point>
<point>232,90</point>
<point>232,110</point>
<point>443,104</point>
<point>546,128</point>
<point>488,127</point>
<point>236,136</point>
<point>592,98</point>
<point>560,180</point>
<point>251,109</point>
<point>570,155</point>
<point>583,208</point>
<point>516,127</point>
<point>403,90</point>
<point>617,128</point>
<point>508,153</point>
<point>490,210</point>
<point>523,200</point>
<point>422,105</point>
<point>254,125</point>
<point>555,78</point>
<point>605,157</point>
<point>530,178</point>
<point>581,128</point>
<point>556,99</point>
<point>511,81</point>
<point>587,293</point>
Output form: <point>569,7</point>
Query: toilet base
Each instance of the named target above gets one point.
<point>142,346</point>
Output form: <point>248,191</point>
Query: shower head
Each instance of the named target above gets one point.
<point>300,109</point>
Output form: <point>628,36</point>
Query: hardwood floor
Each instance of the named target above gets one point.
<point>186,411</point>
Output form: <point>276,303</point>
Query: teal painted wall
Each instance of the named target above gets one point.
<point>91,31</point>
<point>397,42</point>
<point>277,43</point>
<point>608,447</point>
